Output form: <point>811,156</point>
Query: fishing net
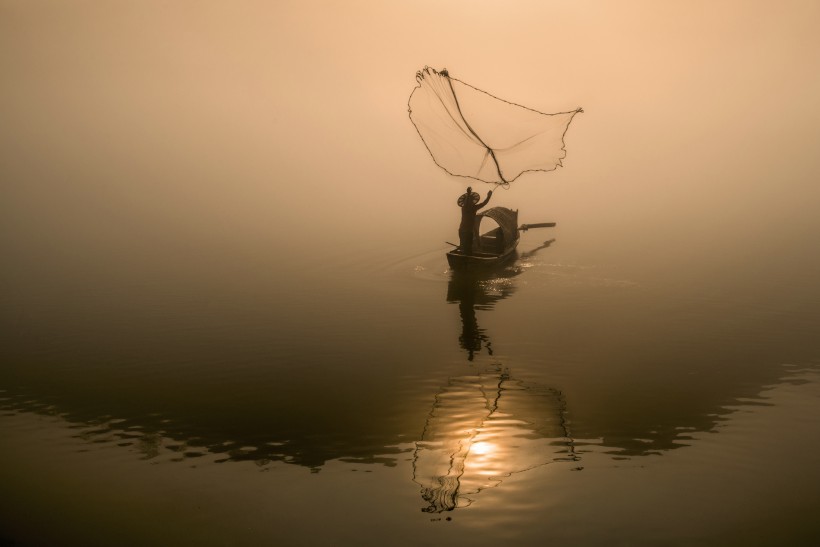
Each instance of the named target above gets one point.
<point>471,133</point>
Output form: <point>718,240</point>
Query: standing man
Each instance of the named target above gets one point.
<point>469,207</point>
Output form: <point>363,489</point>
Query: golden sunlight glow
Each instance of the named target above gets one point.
<point>482,448</point>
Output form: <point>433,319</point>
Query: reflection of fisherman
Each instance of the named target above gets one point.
<point>469,207</point>
<point>472,336</point>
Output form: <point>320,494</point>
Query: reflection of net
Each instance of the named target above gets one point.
<point>483,428</point>
<point>471,133</point>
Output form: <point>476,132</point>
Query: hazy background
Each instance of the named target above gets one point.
<point>162,139</point>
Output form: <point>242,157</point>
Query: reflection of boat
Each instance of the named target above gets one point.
<point>473,291</point>
<point>493,247</point>
<point>479,290</point>
<point>484,427</point>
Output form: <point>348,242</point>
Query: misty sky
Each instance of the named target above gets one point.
<point>224,127</point>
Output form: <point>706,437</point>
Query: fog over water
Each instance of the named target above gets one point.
<point>132,130</point>
<point>223,243</point>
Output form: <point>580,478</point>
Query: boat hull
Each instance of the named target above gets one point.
<point>476,261</point>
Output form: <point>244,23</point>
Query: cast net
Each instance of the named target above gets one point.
<point>471,133</point>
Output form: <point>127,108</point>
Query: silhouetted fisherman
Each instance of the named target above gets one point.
<point>469,207</point>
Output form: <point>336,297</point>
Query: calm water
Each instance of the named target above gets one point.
<point>376,398</point>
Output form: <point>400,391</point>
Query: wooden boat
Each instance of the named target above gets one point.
<point>494,247</point>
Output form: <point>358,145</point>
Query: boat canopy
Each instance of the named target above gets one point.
<point>507,220</point>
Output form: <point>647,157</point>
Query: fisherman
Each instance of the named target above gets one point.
<point>469,207</point>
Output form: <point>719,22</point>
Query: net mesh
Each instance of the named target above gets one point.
<point>471,133</point>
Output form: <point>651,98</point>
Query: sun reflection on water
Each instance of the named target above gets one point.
<point>484,428</point>
<point>482,448</point>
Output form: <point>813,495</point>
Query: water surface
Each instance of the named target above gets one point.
<point>492,404</point>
